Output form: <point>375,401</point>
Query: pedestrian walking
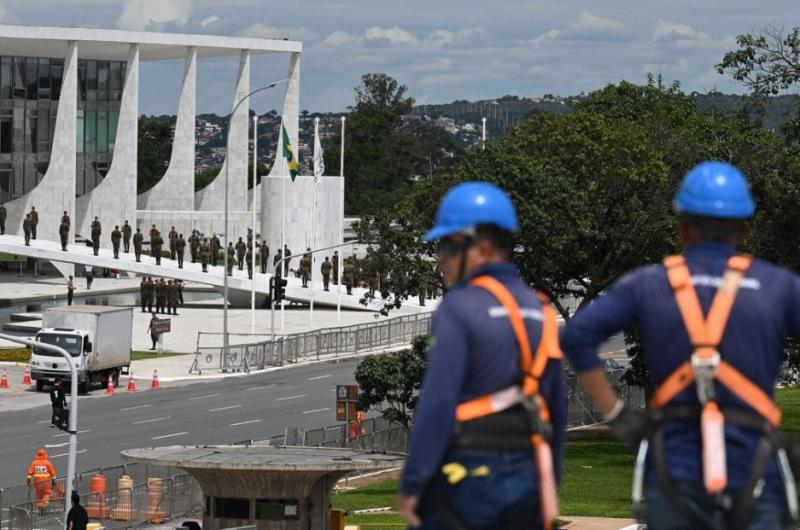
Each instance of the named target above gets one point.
<point>116,239</point>
<point>77,518</point>
<point>493,386</point>
<point>70,290</point>
<point>349,276</point>
<point>138,239</point>
<point>126,237</point>
<point>88,272</point>
<point>42,476</point>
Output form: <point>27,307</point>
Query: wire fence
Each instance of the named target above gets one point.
<point>311,345</point>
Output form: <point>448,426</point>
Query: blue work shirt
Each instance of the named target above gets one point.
<point>474,352</point>
<point>766,311</point>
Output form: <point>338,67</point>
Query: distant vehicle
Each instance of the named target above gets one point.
<point>97,337</point>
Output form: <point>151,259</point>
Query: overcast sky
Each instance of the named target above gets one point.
<point>442,49</point>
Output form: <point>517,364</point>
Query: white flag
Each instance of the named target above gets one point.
<point>319,161</point>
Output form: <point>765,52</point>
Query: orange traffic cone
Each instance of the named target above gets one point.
<point>4,380</point>
<point>26,379</point>
<point>131,384</point>
<point>110,387</point>
<point>155,380</point>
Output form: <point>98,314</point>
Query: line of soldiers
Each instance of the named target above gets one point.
<point>29,225</point>
<point>165,295</point>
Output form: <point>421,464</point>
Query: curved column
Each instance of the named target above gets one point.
<point>114,199</point>
<point>212,197</point>
<point>175,190</point>
<point>270,213</point>
<point>56,191</point>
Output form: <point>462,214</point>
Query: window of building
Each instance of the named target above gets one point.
<point>102,81</point>
<point>19,131</point>
<point>56,73</point>
<point>114,81</point>
<point>82,79</point>
<point>32,78</point>
<point>6,131</point>
<point>113,123</point>
<point>79,128</point>
<point>44,79</point>
<point>5,78</point>
<point>277,509</point>
<point>18,189</point>
<point>80,180</point>
<point>43,135</point>
<point>90,131</point>
<point>6,175</point>
<point>91,80</point>
<point>102,131</point>
<point>232,508</point>
<point>19,77</point>
<point>31,134</point>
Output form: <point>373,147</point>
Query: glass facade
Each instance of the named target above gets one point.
<point>29,92</point>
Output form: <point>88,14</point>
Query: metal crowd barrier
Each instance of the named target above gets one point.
<point>311,345</point>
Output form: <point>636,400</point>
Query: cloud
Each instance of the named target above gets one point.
<point>679,66</point>
<point>396,36</point>
<point>153,14</point>
<point>393,35</point>
<point>339,38</point>
<point>586,27</point>
<point>667,30</point>
<point>209,20</point>
<point>269,32</point>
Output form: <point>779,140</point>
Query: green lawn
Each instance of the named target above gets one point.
<point>596,480</point>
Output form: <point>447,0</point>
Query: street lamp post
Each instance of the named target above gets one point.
<point>225,345</point>
<point>72,426</point>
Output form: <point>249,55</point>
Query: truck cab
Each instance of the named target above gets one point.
<point>47,366</point>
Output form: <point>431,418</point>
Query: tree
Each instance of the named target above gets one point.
<point>391,382</point>
<point>155,149</point>
<point>382,92</point>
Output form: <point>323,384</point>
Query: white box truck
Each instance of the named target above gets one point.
<point>97,337</point>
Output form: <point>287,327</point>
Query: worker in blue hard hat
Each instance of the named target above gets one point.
<point>488,431</point>
<point>713,324</point>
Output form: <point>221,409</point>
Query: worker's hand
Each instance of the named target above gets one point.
<point>408,509</point>
<point>629,425</point>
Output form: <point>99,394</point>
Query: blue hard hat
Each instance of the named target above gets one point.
<point>715,189</point>
<point>471,204</point>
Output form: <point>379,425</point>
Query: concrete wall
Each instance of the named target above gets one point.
<point>114,199</point>
<point>56,191</point>
<point>175,190</point>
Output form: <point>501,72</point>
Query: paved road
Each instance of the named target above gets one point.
<point>215,412</point>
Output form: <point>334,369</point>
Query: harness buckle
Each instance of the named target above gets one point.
<point>538,425</point>
<point>705,370</point>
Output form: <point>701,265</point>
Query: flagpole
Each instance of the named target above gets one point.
<point>253,250</point>
<point>341,231</point>
<point>283,224</point>
<point>314,220</point>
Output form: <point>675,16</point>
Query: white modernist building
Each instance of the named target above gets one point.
<point>69,105</point>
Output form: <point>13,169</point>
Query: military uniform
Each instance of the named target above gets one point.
<point>231,258</point>
<point>173,238</point>
<point>155,247</point>
<point>180,249</point>
<point>126,237</point>
<point>372,283</point>
<point>161,296</point>
<point>34,221</point>
<point>348,277</point>
<point>335,263</point>
<point>288,255</point>
<point>3,215</point>
<point>204,252</point>
<point>63,234</point>
<point>154,232</point>
<point>241,250</point>
<point>194,245</point>
<point>325,269</point>
<point>172,297</point>
<point>263,254</point>
<point>143,293</point>
<point>422,291</point>
<point>179,286</point>
<point>116,237</point>
<point>138,238</point>
<point>96,230</point>
<point>150,294</point>
<point>249,259</point>
<point>275,260</point>
<point>215,248</point>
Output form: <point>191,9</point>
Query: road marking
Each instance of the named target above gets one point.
<point>66,454</point>
<point>262,387</point>
<point>244,422</point>
<point>203,397</point>
<point>137,407</point>
<point>292,397</point>
<point>67,434</point>
<point>225,408</point>
<point>148,421</point>
<point>316,410</point>
<point>333,390</point>
<point>56,445</point>
<point>169,435</point>
<point>319,377</point>
<point>44,421</point>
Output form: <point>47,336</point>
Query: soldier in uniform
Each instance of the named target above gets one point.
<point>305,268</point>
<point>194,245</point>
<point>63,234</point>
<point>65,219</point>
<point>26,228</point>
<point>34,221</point>
<point>116,238</point>
<point>241,250</point>
<point>205,250</point>
<point>231,257</point>
<point>179,284</point>
<point>288,255</point>
<point>348,276</point>
<point>372,283</point>
<point>325,269</point>
<point>143,293</point>
<point>126,237</point>
<point>173,237</point>
<point>154,232</point>
<point>155,246</point>
<point>172,298</point>
<point>138,238</point>
<point>249,259</point>
<point>3,214</point>
<point>275,260</point>
<point>180,248</point>
<point>422,290</point>
<point>96,230</point>
<point>215,248</point>
<point>263,255</point>
<point>161,296</point>
<point>335,262</point>
<point>150,294</point>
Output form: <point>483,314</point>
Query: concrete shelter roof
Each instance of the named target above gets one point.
<point>113,44</point>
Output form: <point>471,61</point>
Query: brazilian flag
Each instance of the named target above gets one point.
<point>288,153</point>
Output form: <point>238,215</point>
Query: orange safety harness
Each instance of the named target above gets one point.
<point>532,367</point>
<point>705,368</point>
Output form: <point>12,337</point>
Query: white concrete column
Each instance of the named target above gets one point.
<point>56,191</point>
<point>175,191</point>
<point>271,211</point>
<point>212,197</point>
<point>114,199</point>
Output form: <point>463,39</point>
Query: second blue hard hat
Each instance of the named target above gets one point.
<point>715,189</point>
<point>469,204</point>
